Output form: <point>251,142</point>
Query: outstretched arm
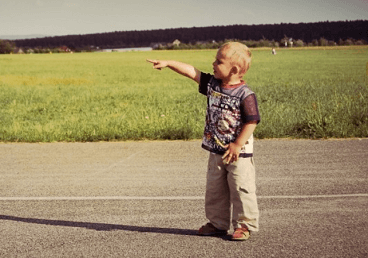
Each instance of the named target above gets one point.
<point>179,67</point>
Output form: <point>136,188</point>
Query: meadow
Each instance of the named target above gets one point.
<point>302,93</point>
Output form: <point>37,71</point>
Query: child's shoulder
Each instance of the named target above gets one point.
<point>247,91</point>
<point>208,78</point>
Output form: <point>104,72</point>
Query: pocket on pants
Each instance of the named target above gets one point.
<point>243,175</point>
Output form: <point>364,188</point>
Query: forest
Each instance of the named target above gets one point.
<point>337,32</point>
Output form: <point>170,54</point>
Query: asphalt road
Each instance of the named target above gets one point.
<point>146,199</point>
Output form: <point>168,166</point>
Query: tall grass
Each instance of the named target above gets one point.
<point>310,93</point>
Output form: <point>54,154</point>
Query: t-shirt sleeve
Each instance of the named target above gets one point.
<point>249,109</point>
<point>205,78</point>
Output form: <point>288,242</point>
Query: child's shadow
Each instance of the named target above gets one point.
<point>101,226</point>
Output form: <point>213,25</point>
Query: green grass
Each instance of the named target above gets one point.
<point>308,93</point>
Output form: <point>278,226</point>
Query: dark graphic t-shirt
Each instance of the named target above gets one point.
<point>228,109</point>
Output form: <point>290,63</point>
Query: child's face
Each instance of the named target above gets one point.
<point>222,66</point>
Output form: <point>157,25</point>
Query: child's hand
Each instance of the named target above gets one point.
<point>232,153</point>
<point>158,64</point>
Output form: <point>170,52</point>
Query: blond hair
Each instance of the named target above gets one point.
<point>239,54</point>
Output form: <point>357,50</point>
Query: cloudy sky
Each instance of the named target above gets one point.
<point>65,17</point>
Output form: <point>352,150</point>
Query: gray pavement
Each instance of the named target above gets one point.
<point>145,199</point>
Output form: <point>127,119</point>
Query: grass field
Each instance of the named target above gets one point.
<point>302,93</point>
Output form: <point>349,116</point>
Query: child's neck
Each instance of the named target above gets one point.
<point>232,83</point>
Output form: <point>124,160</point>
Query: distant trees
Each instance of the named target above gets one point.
<point>262,43</point>
<point>6,47</point>
<point>306,34</point>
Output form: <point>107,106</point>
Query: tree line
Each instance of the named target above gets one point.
<point>274,35</point>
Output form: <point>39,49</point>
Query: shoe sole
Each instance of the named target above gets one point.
<point>240,239</point>
<point>244,237</point>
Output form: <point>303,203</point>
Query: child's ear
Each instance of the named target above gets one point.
<point>235,70</point>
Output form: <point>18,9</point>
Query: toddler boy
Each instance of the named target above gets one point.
<point>232,116</point>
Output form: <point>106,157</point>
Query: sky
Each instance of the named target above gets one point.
<point>70,17</point>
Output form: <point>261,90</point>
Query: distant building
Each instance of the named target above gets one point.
<point>176,42</point>
<point>126,49</point>
<point>291,42</point>
<point>64,49</point>
<point>287,41</point>
<point>18,50</point>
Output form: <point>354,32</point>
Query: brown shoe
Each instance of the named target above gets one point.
<point>211,230</point>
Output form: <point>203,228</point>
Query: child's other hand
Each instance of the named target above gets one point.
<point>232,153</point>
<point>158,64</point>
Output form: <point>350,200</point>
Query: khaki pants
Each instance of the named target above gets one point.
<point>231,186</point>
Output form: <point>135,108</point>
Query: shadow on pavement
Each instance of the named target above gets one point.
<point>100,226</point>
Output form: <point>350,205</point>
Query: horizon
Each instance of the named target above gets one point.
<point>34,36</point>
<point>83,17</point>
